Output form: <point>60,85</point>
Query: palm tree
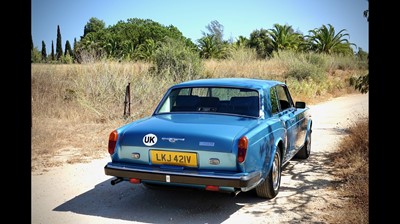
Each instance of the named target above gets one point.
<point>128,50</point>
<point>241,42</point>
<point>325,40</point>
<point>111,46</point>
<point>146,50</point>
<point>284,38</point>
<point>260,40</point>
<point>208,47</point>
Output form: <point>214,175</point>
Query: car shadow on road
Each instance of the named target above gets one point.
<point>138,203</point>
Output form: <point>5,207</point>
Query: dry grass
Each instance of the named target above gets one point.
<point>310,91</point>
<point>57,141</point>
<point>262,69</point>
<point>351,161</point>
<point>76,106</point>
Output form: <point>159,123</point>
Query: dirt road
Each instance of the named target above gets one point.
<point>81,193</point>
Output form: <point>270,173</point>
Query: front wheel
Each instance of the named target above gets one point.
<point>269,188</point>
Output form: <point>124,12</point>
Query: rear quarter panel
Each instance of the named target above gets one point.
<point>263,140</point>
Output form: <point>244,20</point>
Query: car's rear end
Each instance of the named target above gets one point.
<point>199,150</point>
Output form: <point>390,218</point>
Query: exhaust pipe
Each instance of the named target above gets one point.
<point>116,180</point>
<point>235,193</point>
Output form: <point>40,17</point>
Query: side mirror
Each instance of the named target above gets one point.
<point>300,104</point>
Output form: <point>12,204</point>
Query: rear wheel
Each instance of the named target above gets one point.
<point>269,188</point>
<point>305,151</point>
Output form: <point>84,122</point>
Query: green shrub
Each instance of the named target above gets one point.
<point>303,66</point>
<point>362,83</point>
<point>66,59</point>
<point>346,63</point>
<point>302,71</point>
<point>319,60</point>
<point>36,57</point>
<point>174,59</point>
<point>242,55</point>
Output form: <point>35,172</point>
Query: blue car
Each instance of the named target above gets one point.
<point>228,134</point>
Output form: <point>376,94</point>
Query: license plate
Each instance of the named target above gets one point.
<point>173,158</point>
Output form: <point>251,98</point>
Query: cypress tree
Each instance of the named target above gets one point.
<point>52,51</point>
<point>59,51</point>
<point>74,51</point>
<point>44,52</point>
<point>68,49</point>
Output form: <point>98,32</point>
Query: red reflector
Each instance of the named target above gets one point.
<point>212,188</point>
<point>134,180</point>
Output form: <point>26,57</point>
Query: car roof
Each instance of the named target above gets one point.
<point>230,82</point>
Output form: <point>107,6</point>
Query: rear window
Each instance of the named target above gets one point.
<point>238,101</point>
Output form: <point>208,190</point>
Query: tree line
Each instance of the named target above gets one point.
<point>140,39</point>
<point>67,57</point>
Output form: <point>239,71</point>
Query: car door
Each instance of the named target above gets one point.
<point>300,122</point>
<point>287,114</point>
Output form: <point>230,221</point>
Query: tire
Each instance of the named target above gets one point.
<point>269,188</point>
<point>305,151</point>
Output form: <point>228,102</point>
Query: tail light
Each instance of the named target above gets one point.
<point>112,142</point>
<point>242,149</point>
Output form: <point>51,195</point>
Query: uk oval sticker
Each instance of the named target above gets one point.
<point>150,139</point>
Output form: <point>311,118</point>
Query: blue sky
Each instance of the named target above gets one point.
<point>238,17</point>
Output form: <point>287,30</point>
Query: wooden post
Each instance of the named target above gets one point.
<point>127,102</point>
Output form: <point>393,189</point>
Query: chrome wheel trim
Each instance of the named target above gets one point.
<point>309,144</point>
<point>275,172</point>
